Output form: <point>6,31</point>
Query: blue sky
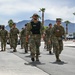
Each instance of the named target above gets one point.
<point>19,10</point>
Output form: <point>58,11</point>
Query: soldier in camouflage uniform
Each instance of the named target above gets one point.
<point>0,31</point>
<point>24,37</point>
<point>35,29</point>
<point>27,40</point>
<point>14,33</point>
<point>4,35</point>
<point>10,39</point>
<point>44,39</point>
<point>21,38</point>
<point>57,33</point>
<point>48,38</point>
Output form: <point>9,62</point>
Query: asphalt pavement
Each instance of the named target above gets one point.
<point>46,66</point>
<point>10,64</point>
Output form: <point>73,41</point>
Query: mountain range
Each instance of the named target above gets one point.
<point>20,25</point>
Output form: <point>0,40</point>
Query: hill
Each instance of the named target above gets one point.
<point>19,25</point>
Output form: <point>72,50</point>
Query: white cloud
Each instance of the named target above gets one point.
<point>65,13</point>
<point>14,7</point>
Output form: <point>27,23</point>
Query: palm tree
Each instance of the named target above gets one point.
<point>42,10</point>
<point>74,13</point>
<point>67,22</point>
<point>10,23</point>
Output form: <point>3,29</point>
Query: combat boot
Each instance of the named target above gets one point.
<point>33,59</point>
<point>14,50</point>
<point>26,50</point>
<point>2,50</point>
<point>50,52</point>
<point>37,57</point>
<point>57,58</point>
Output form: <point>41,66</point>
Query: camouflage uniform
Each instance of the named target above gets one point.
<point>35,31</point>
<point>10,39</point>
<point>48,38</point>
<point>4,35</point>
<point>21,38</point>
<point>57,33</point>
<point>14,32</point>
<point>0,31</point>
<point>23,34</point>
<point>44,39</point>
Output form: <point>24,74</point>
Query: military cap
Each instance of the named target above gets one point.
<point>50,24</point>
<point>35,14</point>
<point>58,19</point>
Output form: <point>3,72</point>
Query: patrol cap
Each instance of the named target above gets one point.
<point>50,24</point>
<point>35,14</point>
<point>58,19</point>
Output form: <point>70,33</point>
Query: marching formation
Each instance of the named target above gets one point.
<point>30,37</point>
